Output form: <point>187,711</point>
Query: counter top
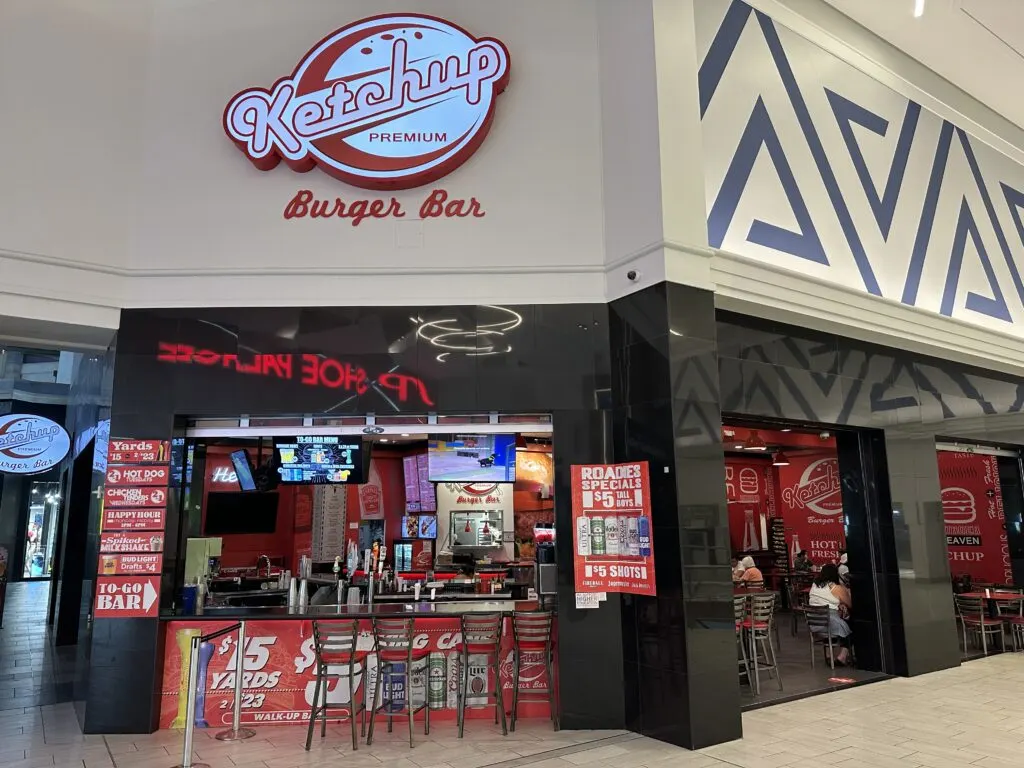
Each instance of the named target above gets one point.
<point>420,610</point>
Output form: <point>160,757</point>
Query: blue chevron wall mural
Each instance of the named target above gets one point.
<point>815,167</point>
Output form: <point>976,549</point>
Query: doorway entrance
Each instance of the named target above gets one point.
<point>805,610</point>
<point>40,530</point>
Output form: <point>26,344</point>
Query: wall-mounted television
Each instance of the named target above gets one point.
<point>243,469</point>
<point>472,459</point>
<point>321,459</point>
<point>236,512</point>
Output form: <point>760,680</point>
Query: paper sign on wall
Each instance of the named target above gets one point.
<point>613,547</point>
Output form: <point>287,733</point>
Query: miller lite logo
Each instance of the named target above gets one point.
<point>817,490</point>
<point>390,102</point>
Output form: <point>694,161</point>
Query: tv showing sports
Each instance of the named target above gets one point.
<point>321,459</point>
<point>472,458</point>
<point>243,470</point>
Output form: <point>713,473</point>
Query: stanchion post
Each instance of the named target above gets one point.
<point>190,722</point>
<point>236,732</point>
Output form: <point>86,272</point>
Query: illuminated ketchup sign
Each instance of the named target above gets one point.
<point>390,102</point>
<point>309,370</point>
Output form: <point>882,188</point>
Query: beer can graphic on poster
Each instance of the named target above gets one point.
<point>623,523</point>
<point>437,683</point>
<point>583,535</point>
<point>454,678</point>
<point>644,531</point>
<point>418,683</point>
<point>633,537</point>
<point>597,536</point>
<point>611,535</point>
<point>478,687</point>
<point>394,687</point>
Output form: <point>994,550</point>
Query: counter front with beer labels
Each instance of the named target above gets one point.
<point>281,672</point>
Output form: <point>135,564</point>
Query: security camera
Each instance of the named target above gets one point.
<point>633,275</point>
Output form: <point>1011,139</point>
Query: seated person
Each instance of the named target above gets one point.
<point>737,570</point>
<point>803,562</point>
<point>751,575</point>
<point>827,590</point>
<point>844,569</point>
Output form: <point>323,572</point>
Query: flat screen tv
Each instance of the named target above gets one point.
<point>321,459</point>
<point>243,470</point>
<point>238,512</point>
<point>472,459</point>
<point>419,527</point>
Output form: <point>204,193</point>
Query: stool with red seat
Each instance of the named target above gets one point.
<point>337,658</point>
<point>532,633</point>
<point>972,615</point>
<point>758,626</point>
<point>395,650</point>
<point>481,636</point>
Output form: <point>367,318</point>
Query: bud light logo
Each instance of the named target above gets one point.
<point>390,102</point>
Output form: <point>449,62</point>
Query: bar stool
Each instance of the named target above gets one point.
<point>759,626</point>
<point>532,633</point>
<point>481,636</point>
<point>394,649</point>
<point>739,609</point>
<point>336,658</point>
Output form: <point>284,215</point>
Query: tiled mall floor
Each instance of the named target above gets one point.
<point>961,718</point>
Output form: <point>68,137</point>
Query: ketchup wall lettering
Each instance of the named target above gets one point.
<point>389,102</point>
<point>308,369</point>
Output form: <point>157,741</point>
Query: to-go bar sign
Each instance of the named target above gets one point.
<point>121,597</point>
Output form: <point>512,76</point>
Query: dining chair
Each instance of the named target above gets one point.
<point>972,615</point>
<point>819,627</point>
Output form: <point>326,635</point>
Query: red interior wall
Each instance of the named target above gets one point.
<point>243,549</point>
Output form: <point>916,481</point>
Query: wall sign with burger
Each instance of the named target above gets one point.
<point>31,444</point>
<point>972,510</point>
<point>391,102</point>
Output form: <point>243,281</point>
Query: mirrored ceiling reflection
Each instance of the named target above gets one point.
<point>777,371</point>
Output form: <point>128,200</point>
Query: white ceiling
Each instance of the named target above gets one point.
<point>978,45</point>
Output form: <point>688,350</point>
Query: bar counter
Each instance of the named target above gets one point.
<point>279,678</point>
<point>447,608</point>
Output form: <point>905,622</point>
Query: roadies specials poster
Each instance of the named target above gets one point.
<point>613,545</point>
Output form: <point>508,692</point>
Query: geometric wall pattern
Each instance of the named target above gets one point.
<point>815,167</point>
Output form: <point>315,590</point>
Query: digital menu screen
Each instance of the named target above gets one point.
<point>419,527</point>
<point>427,492</point>
<point>410,473</point>
<point>320,459</point>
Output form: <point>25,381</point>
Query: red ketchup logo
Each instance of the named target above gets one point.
<point>390,102</point>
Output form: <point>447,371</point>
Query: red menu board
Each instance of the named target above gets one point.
<point>613,545</point>
<point>113,543</point>
<point>121,450</point>
<point>126,597</point>
<point>118,519</point>
<point>134,496</point>
<point>972,508</point>
<point>428,494</point>
<point>129,565</point>
<point>280,673</point>
<point>147,475</point>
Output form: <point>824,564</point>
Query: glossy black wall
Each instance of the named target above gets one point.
<point>680,647</point>
<point>540,359</point>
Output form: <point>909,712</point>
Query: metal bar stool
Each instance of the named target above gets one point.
<point>481,636</point>
<point>395,652</point>
<point>759,628</point>
<point>336,659</point>
<point>532,633</point>
<point>739,609</point>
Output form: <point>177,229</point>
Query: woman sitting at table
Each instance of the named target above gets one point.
<point>827,590</point>
<point>751,576</point>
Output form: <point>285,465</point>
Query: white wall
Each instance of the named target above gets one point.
<point>122,189</point>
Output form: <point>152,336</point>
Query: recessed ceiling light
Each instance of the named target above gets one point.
<point>405,434</point>
<point>383,439</point>
<point>918,8</point>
